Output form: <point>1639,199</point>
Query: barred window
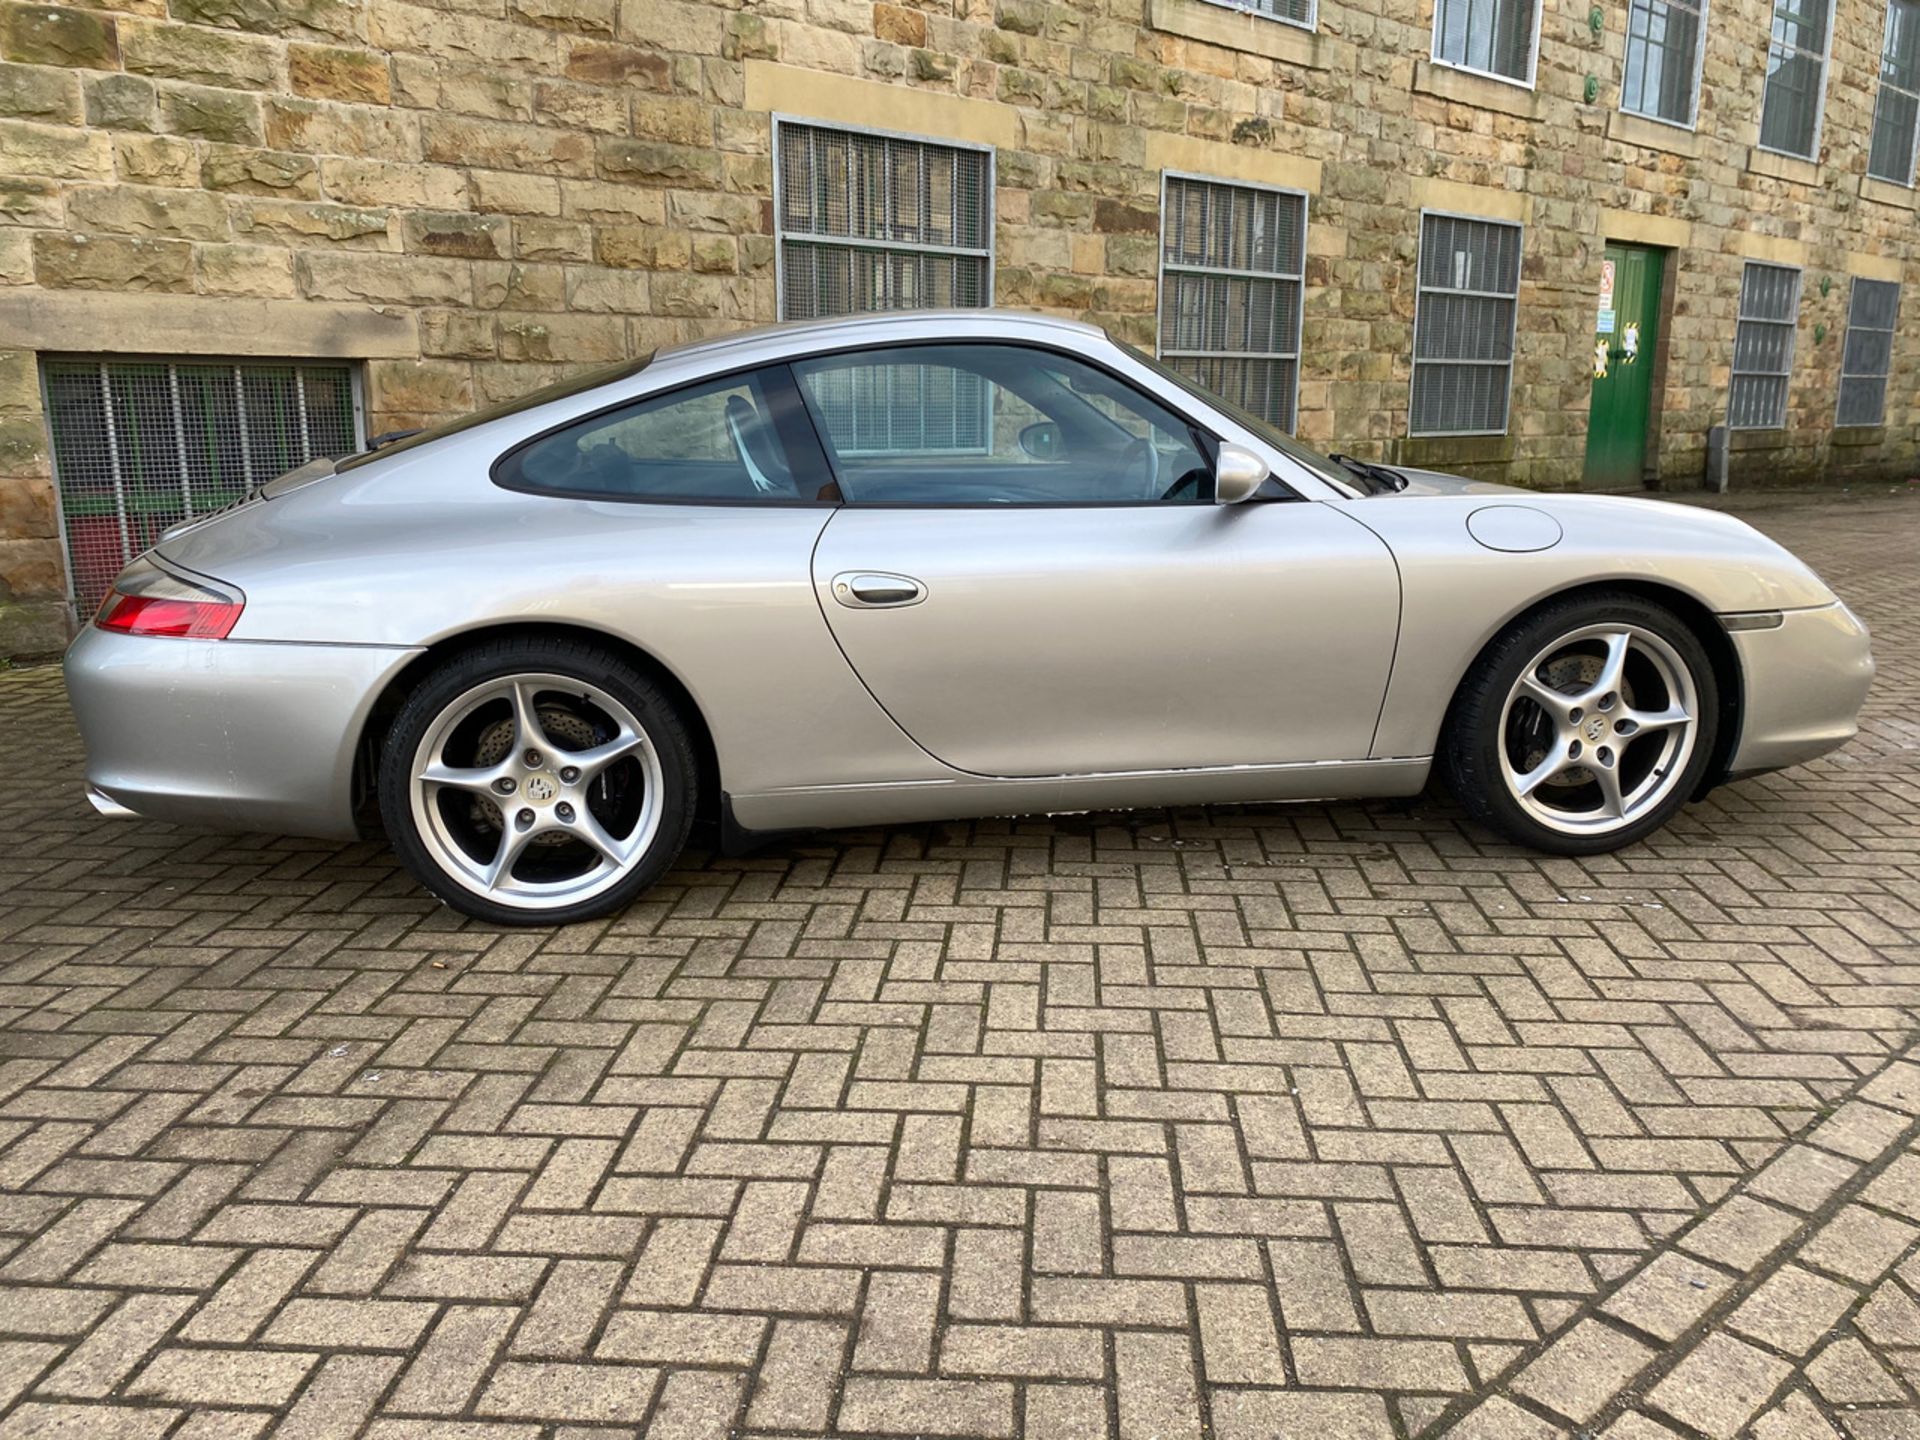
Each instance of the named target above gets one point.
<point>1232,263</point>
<point>1796,77</point>
<point>1896,114</point>
<point>1763,346</point>
<point>880,222</point>
<point>1493,36</point>
<point>140,445</point>
<point>1663,59</point>
<point>1866,359</point>
<point>1467,306</point>
<point>1293,12</point>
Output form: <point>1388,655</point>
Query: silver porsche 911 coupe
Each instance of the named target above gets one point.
<point>923,566</point>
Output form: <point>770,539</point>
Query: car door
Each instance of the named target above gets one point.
<point>1029,574</point>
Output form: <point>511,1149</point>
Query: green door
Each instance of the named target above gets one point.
<point>1626,334</point>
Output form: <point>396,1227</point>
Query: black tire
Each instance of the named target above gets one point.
<point>1471,761</point>
<point>527,655</point>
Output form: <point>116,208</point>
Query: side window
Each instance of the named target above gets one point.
<point>997,425</point>
<point>725,440</point>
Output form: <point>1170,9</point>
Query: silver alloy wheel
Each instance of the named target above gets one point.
<point>1598,729</point>
<point>523,813</point>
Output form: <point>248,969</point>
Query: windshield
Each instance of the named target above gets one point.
<point>559,390</point>
<point>1269,434</point>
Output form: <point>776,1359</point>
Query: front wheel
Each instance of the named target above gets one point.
<point>1584,726</point>
<point>537,782</point>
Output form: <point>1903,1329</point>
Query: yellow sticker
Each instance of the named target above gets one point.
<point>1630,342</point>
<point>1599,359</point>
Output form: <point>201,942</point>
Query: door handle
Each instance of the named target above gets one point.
<point>876,590</point>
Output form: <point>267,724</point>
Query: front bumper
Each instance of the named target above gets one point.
<point>232,734</point>
<point>1805,681</point>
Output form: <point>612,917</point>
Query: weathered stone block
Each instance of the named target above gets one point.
<point>112,262</point>
<point>260,172</point>
<point>470,237</point>
<point>381,182</point>
<point>456,334</point>
<point>343,19</point>
<point>26,508</point>
<point>493,145</point>
<point>536,238</point>
<point>56,35</point>
<point>419,386</point>
<point>349,225</point>
<point>260,271</point>
<point>227,116</point>
<point>142,210</point>
<point>388,279</point>
<point>596,63</point>
<point>39,92</point>
<point>32,629</point>
<point>507,193</point>
<point>587,17</point>
<point>120,102</point>
<point>157,159</point>
<point>328,128</point>
<point>658,162</point>
<point>567,339</point>
<point>331,72</point>
<point>170,51</point>
<point>53,152</point>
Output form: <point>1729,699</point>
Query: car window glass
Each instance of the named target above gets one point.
<point>997,425</point>
<point>718,441</point>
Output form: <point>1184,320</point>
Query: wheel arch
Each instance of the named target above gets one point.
<point>1729,680</point>
<point>380,716</point>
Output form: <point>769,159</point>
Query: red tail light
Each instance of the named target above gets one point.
<point>149,615</point>
<point>147,600</point>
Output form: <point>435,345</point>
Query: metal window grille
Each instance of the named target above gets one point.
<point>1496,37</point>
<point>1293,12</point>
<point>1866,359</point>
<point>1663,60</point>
<point>1796,77</point>
<point>1463,327</point>
<point>887,222</point>
<point>1895,149</point>
<point>880,222</point>
<point>140,445</point>
<point>1232,261</point>
<point>1763,346</point>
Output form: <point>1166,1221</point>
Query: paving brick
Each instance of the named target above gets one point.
<point>1719,1386</point>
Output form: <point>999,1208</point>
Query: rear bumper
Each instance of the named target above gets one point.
<point>1805,682</point>
<point>231,734</point>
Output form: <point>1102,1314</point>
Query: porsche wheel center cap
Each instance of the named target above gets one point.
<point>1596,727</point>
<point>540,789</point>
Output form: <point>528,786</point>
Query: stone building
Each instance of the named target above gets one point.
<point>235,233</point>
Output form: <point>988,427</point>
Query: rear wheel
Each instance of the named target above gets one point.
<point>1584,726</point>
<point>537,782</point>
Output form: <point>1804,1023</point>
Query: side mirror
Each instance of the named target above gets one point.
<point>1041,440</point>
<point>1237,474</point>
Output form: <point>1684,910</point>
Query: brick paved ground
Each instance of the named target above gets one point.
<point>1323,1122</point>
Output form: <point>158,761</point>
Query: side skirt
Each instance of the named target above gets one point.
<point>746,819</point>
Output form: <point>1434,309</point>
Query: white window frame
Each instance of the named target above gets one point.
<point>1886,380</point>
<point>1300,314</point>
<point>1692,121</point>
<point>1820,101</point>
<point>1913,147</point>
<point>781,234</point>
<point>1533,56</point>
<point>1311,23</point>
<point>1793,343</point>
<point>1513,337</point>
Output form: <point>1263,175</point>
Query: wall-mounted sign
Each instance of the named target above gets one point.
<point>1606,322</point>
<point>1606,297</point>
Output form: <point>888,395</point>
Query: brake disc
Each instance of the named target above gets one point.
<point>563,726</point>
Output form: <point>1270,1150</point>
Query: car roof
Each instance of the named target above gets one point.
<point>802,335</point>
